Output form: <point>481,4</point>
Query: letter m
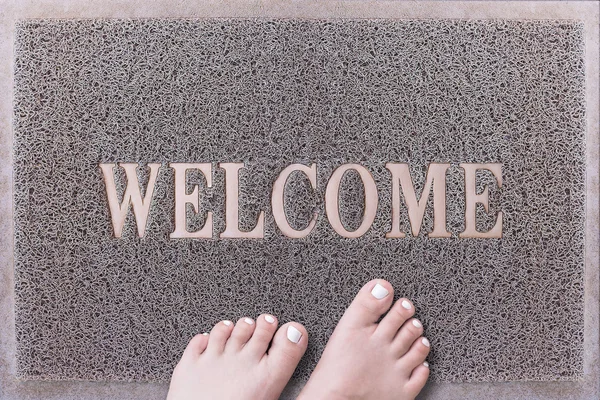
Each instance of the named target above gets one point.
<point>402,181</point>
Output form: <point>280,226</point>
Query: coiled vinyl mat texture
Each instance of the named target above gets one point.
<point>272,92</point>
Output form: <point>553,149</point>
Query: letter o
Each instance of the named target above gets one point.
<point>332,200</point>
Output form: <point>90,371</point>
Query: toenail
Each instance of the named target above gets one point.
<point>205,333</point>
<point>416,323</point>
<point>379,292</point>
<point>425,342</point>
<point>228,323</point>
<point>426,364</point>
<point>406,304</point>
<point>293,334</point>
<point>248,321</point>
<point>269,319</point>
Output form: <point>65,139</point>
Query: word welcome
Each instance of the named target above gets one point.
<point>401,182</point>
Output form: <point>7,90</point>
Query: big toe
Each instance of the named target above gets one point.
<point>371,302</point>
<point>287,348</point>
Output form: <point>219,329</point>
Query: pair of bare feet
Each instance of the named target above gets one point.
<point>367,357</point>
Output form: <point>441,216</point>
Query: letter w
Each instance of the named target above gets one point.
<point>132,195</point>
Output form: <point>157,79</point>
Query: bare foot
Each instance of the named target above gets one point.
<point>233,362</point>
<point>365,359</point>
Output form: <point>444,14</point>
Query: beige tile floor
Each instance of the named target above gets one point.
<point>12,10</point>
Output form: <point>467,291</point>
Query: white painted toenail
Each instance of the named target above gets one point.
<point>293,334</point>
<point>248,321</point>
<point>426,364</point>
<point>425,342</point>
<point>205,333</point>
<point>269,319</point>
<point>379,292</point>
<point>228,323</point>
<point>406,304</point>
<point>416,323</point>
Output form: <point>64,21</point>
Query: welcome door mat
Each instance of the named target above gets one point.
<point>281,165</point>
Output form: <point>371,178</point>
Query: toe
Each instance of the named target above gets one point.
<point>416,355</point>
<point>289,344</point>
<point>410,331</point>
<point>402,310</point>
<point>371,302</point>
<point>266,325</point>
<point>418,378</point>
<point>195,347</point>
<point>219,335</point>
<point>241,334</point>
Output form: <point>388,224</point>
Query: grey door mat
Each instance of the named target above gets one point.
<point>271,93</point>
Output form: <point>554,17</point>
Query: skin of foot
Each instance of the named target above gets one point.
<point>367,359</point>
<point>248,360</point>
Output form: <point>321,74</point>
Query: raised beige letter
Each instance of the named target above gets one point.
<point>182,198</point>
<point>436,173</point>
<point>277,200</point>
<point>332,200</point>
<point>472,198</point>
<point>232,229</point>
<point>132,195</point>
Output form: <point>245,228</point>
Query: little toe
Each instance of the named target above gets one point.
<point>242,332</point>
<point>416,355</point>
<point>400,312</point>
<point>371,302</point>
<point>406,336</point>
<point>266,325</point>
<point>219,335</point>
<point>289,344</point>
<point>195,347</point>
<point>418,378</point>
